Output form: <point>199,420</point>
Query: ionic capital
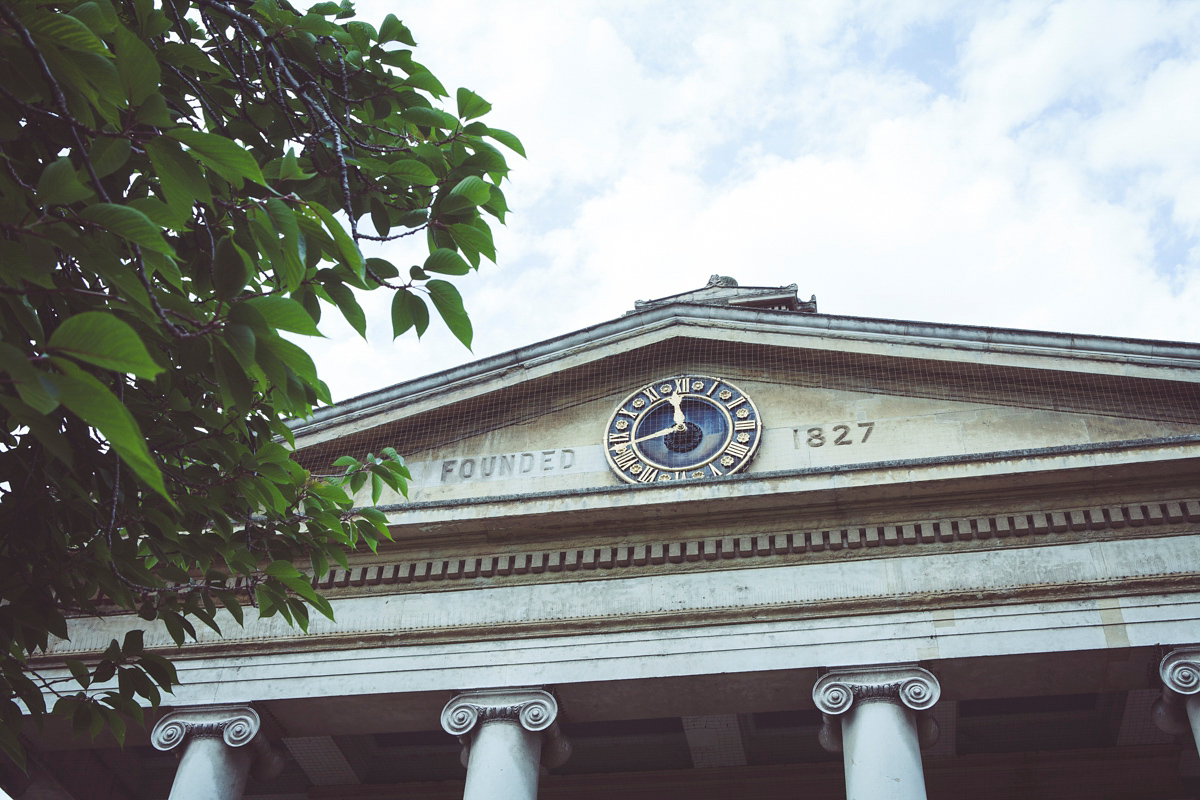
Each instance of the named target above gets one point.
<point>839,689</point>
<point>902,684</point>
<point>535,710</point>
<point>1180,674</point>
<point>236,726</point>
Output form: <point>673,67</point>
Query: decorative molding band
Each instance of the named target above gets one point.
<point>236,726</point>
<point>1015,527</point>
<point>905,684</point>
<point>1180,674</point>
<point>534,709</point>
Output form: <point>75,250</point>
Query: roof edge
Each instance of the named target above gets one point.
<point>1083,344</point>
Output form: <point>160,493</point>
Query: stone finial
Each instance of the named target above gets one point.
<point>904,684</point>
<point>1179,672</point>
<point>236,726</point>
<point>534,709</point>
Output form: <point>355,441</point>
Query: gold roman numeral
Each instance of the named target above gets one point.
<point>618,438</point>
<point>710,389</point>
<point>715,471</point>
<point>648,476</point>
<point>625,459</point>
<point>744,425</point>
<point>633,414</point>
<point>651,395</point>
<point>681,385</point>
<point>735,403</point>
<point>737,450</point>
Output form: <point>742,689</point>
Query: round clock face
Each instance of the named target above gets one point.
<point>684,428</point>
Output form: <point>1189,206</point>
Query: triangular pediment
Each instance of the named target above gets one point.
<point>830,392</point>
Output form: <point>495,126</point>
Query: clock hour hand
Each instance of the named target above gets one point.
<point>677,401</point>
<point>663,432</point>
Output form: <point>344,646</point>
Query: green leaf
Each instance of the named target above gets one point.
<point>36,388</point>
<point>109,154</point>
<point>343,296</point>
<point>92,402</point>
<point>59,184</point>
<point>179,176</point>
<point>226,157</point>
<point>282,570</point>
<point>136,66</point>
<point>410,171</point>
<point>128,223</point>
<point>472,237</point>
<point>100,338</point>
<point>349,250</point>
<point>408,311</point>
<point>295,357</point>
<point>424,80</point>
<point>289,168</point>
<point>231,268</point>
<point>470,191</point>
<point>189,55</point>
<point>291,271</point>
<point>508,140</point>
<point>284,314</point>
<point>471,105</point>
<point>447,262</point>
<point>429,118</point>
<point>449,305</point>
<point>66,31</point>
<point>393,29</point>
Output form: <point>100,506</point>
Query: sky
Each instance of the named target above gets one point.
<point>1013,164</point>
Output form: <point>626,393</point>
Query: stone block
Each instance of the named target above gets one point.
<point>983,528</point>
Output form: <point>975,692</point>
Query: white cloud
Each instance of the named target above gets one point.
<point>1013,164</point>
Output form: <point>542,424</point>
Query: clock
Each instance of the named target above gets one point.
<point>683,428</point>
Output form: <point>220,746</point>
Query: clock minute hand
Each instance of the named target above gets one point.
<point>663,432</point>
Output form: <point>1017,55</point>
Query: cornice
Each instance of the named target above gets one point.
<point>935,336</point>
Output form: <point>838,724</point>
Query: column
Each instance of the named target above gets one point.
<point>1178,710</point>
<point>507,736</point>
<point>871,716</point>
<point>219,746</point>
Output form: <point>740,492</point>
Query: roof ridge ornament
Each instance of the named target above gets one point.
<point>723,290</point>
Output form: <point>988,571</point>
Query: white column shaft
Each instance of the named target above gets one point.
<point>211,770</point>
<point>504,762</point>
<point>1193,712</point>
<point>881,752</point>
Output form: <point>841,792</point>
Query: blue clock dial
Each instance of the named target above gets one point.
<point>683,428</point>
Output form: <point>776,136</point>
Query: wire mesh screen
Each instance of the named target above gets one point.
<point>1145,408</point>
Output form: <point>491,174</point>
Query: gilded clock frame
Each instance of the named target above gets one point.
<point>642,469</point>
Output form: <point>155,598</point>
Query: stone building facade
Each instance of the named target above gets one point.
<point>928,560</point>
